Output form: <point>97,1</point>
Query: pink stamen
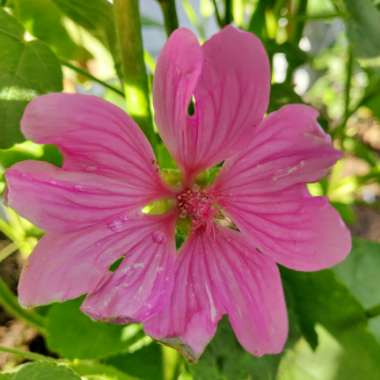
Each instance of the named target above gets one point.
<point>198,205</point>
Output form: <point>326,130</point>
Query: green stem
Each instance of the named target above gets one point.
<point>348,84</point>
<point>217,14</point>
<point>26,354</point>
<point>373,312</point>
<point>170,15</point>
<point>128,25</point>
<point>228,17</point>
<point>10,303</point>
<point>299,24</point>
<point>317,17</point>
<point>7,251</point>
<point>90,76</point>
<point>257,22</point>
<point>339,131</point>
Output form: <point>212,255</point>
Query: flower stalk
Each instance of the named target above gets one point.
<point>169,13</point>
<point>9,302</point>
<point>135,80</point>
<point>92,77</point>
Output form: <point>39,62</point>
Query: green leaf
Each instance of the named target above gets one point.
<point>27,69</point>
<point>44,20</point>
<point>91,370</point>
<point>44,371</point>
<point>360,273</point>
<point>131,363</point>
<point>96,16</point>
<point>363,30</point>
<point>6,376</point>
<point>225,359</point>
<point>29,151</point>
<point>322,299</point>
<point>82,337</point>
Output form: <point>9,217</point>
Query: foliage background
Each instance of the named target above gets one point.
<point>323,52</point>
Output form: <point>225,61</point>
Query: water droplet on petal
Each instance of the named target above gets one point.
<point>158,237</point>
<point>91,168</point>
<point>78,187</point>
<point>116,225</point>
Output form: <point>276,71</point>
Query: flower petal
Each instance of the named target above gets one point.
<point>263,190</point>
<point>59,200</point>
<point>93,135</point>
<point>65,266</point>
<point>137,288</point>
<point>221,274</point>
<point>229,78</point>
<point>178,69</point>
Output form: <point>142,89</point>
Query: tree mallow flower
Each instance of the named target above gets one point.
<point>255,214</point>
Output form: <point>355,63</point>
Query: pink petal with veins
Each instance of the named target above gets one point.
<point>221,273</point>
<point>139,286</point>
<point>229,78</point>
<point>59,200</point>
<point>94,136</point>
<point>263,190</point>
<point>65,266</point>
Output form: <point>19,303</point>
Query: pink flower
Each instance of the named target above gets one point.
<point>258,211</point>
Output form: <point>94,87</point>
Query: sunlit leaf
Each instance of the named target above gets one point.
<point>27,69</point>
<point>322,299</point>
<point>44,20</point>
<point>44,371</point>
<point>81,337</point>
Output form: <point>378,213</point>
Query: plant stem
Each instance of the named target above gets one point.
<point>128,25</point>
<point>228,17</point>
<point>339,131</point>
<point>7,251</point>
<point>217,14</point>
<point>27,355</point>
<point>318,17</point>
<point>373,312</point>
<point>170,15</point>
<point>90,76</point>
<point>348,83</point>
<point>10,303</point>
<point>299,24</point>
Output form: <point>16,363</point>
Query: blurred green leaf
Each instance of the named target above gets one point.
<point>6,376</point>
<point>44,20</point>
<point>43,371</point>
<point>225,359</point>
<point>92,370</point>
<point>26,70</point>
<point>96,16</point>
<point>322,299</point>
<point>81,337</point>
<point>29,151</point>
<point>360,273</point>
<point>131,363</point>
<point>363,29</point>
<point>346,211</point>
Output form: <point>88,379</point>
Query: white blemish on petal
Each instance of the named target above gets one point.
<point>286,172</point>
<point>212,304</point>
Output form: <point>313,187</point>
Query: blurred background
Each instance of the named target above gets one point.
<point>323,52</point>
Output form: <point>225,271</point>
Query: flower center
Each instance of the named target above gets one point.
<point>197,205</point>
